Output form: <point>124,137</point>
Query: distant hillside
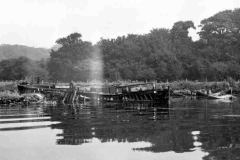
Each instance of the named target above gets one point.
<point>15,51</point>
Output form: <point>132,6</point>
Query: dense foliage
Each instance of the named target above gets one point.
<point>71,61</point>
<point>22,68</point>
<point>162,54</point>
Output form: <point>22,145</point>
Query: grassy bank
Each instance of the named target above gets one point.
<point>8,86</point>
<point>214,86</point>
<point>9,94</point>
<point>8,90</point>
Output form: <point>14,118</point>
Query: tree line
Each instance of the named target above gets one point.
<point>162,54</point>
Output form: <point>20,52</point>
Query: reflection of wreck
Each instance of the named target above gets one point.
<point>221,142</point>
<point>126,124</point>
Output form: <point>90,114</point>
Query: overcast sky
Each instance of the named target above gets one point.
<point>39,23</point>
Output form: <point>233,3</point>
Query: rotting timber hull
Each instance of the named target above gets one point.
<point>147,95</point>
<point>36,88</point>
<point>26,89</point>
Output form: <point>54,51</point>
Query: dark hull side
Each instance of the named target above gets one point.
<point>34,88</point>
<point>148,95</point>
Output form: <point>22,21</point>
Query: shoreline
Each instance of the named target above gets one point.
<point>9,93</point>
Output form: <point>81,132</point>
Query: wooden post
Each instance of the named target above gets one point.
<point>154,86</point>
<point>74,95</point>
<point>168,93</point>
<point>38,80</point>
<point>64,98</point>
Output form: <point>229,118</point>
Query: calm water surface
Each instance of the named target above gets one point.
<point>184,130</point>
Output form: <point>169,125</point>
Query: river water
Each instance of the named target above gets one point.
<point>185,129</point>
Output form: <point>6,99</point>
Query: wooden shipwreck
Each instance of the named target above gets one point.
<point>133,92</point>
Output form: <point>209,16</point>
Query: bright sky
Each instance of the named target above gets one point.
<point>39,23</point>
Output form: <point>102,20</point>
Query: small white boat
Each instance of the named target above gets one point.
<point>226,96</point>
<point>218,95</point>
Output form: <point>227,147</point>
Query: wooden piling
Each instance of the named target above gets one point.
<point>74,95</point>
<point>64,98</point>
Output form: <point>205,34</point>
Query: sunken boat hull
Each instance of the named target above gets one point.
<point>134,92</point>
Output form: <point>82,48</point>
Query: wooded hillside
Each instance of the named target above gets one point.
<point>14,51</point>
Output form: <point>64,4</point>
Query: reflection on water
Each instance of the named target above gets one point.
<point>183,129</point>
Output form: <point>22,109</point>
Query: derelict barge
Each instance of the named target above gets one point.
<point>134,92</point>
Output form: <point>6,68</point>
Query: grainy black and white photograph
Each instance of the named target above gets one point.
<point>119,79</point>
